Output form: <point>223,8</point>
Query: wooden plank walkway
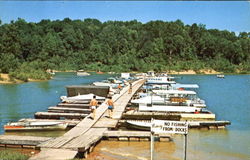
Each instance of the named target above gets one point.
<point>22,140</point>
<point>85,134</point>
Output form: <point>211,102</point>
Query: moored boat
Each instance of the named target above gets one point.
<point>220,76</point>
<point>82,73</point>
<point>160,80</point>
<point>138,124</point>
<point>30,126</point>
<point>146,124</point>
<point>85,97</point>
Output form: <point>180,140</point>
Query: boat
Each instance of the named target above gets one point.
<point>138,124</point>
<point>110,82</point>
<point>220,76</point>
<point>182,96</point>
<point>85,97</point>
<point>146,124</point>
<point>168,108</point>
<point>171,98</point>
<point>160,80</point>
<point>149,100</point>
<point>99,72</point>
<point>82,73</point>
<point>30,126</point>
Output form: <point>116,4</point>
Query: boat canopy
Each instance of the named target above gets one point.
<point>174,92</point>
<point>178,85</point>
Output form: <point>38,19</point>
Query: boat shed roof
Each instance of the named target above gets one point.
<point>174,92</point>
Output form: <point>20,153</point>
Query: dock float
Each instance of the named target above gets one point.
<point>22,141</point>
<point>68,110</point>
<point>51,115</point>
<point>73,105</point>
<point>84,136</point>
<point>33,142</point>
<point>133,136</point>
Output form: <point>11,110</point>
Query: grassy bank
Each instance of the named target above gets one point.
<point>11,155</point>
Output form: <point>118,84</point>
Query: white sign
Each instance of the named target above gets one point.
<point>162,126</point>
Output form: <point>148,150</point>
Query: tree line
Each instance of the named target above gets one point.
<point>27,50</point>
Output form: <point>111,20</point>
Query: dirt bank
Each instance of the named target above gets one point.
<point>203,71</point>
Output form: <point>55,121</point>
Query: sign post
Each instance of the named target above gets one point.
<point>185,147</point>
<point>151,141</point>
<point>152,145</point>
<point>173,127</point>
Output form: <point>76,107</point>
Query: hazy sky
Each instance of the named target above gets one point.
<point>233,16</point>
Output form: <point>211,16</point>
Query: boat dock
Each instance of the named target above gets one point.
<point>84,136</point>
<point>87,132</point>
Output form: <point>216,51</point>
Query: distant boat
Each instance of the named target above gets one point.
<point>160,80</point>
<point>220,76</point>
<point>99,72</point>
<point>30,126</point>
<point>82,73</point>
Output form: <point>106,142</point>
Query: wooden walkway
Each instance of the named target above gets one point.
<point>86,133</point>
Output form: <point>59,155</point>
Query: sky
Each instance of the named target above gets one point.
<point>222,15</point>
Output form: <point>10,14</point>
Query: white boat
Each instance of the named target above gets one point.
<point>109,83</point>
<point>106,84</point>
<point>139,124</point>
<point>149,100</point>
<point>82,73</point>
<point>174,92</point>
<point>172,98</point>
<point>220,76</point>
<point>184,86</point>
<point>85,97</point>
<point>167,108</point>
<point>30,126</point>
<point>184,96</point>
<point>146,124</point>
<point>160,80</point>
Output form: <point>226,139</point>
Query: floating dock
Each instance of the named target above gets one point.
<point>86,134</point>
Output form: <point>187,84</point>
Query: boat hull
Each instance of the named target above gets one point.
<point>20,127</point>
<point>138,125</point>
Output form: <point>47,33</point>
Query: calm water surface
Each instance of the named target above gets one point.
<point>229,98</point>
<point>19,101</point>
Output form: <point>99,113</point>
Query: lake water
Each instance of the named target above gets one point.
<point>229,98</point>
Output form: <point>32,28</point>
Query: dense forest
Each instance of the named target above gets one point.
<point>27,50</point>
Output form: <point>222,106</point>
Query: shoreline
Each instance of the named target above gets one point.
<point>5,79</point>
